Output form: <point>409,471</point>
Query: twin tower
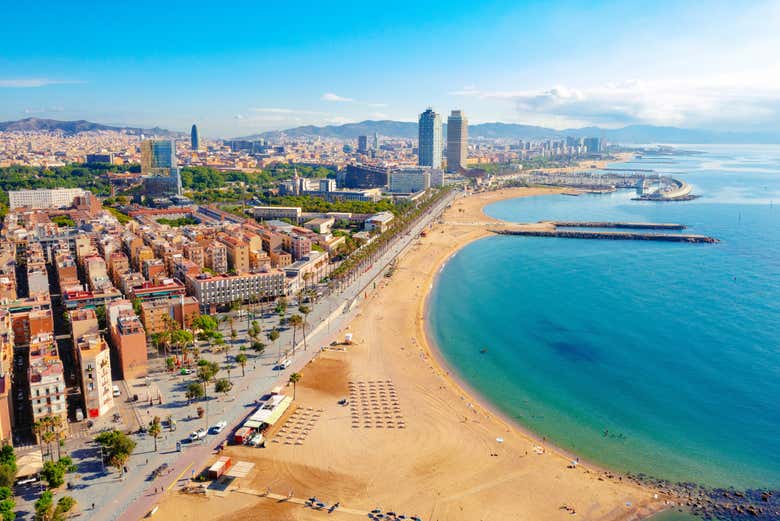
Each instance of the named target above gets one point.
<point>430,140</point>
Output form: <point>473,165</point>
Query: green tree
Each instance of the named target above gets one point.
<point>294,379</point>
<point>7,504</point>
<point>206,373</point>
<point>53,474</point>
<point>155,429</point>
<point>223,386</point>
<point>44,507</point>
<point>281,306</point>
<point>117,447</point>
<point>194,391</point>
<point>241,358</point>
<point>258,347</point>
<point>7,466</point>
<point>64,505</point>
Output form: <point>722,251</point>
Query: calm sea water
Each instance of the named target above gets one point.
<point>649,357</point>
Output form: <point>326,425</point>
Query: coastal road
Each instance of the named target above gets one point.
<point>136,496</point>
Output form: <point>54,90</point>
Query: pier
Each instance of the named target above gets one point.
<point>557,229</point>
<point>607,224</point>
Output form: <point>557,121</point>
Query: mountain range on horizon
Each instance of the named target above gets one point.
<point>76,127</point>
<point>631,134</point>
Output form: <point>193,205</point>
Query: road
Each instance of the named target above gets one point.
<point>133,497</point>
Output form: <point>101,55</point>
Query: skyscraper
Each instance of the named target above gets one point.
<point>376,141</point>
<point>159,168</point>
<point>429,143</point>
<point>457,141</point>
<point>362,144</point>
<point>194,138</point>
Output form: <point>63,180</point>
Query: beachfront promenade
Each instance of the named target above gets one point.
<point>134,497</point>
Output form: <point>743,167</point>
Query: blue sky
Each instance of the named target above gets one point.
<point>244,67</point>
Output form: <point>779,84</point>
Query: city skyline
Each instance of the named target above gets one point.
<point>527,63</point>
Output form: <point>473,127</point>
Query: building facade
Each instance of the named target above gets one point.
<point>429,139</point>
<point>44,199</point>
<point>457,141</point>
<point>221,290</point>
<point>194,138</point>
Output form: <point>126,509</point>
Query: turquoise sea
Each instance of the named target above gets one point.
<point>660,358</point>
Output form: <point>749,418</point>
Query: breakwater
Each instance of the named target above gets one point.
<point>614,236</point>
<point>724,504</point>
<point>611,224</point>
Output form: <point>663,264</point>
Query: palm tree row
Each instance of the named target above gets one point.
<point>367,254</point>
<point>48,430</point>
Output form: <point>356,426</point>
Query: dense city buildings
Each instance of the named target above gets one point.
<point>457,141</point>
<point>429,140</point>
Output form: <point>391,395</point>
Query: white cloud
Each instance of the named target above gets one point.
<point>33,83</point>
<point>329,96</point>
<point>238,116</point>
<point>715,103</point>
<point>379,115</point>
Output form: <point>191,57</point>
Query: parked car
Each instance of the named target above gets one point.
<point>283,364</point>
<point>116,391</point>
<point>257,440</point>
<point>219,427</point>
<point>198,434</point>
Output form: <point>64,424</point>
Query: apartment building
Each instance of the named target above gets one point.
<point>194,252</point>
<point>94,362</point>
<point>216,258</point>
<point>157,315</point>
<point>6,373</point>
<point>219,290</point>
<point>128,338</point>
<point>47,381</point>
<point>237,252</point>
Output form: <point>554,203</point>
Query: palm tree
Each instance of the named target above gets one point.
<point>55,422</point>
<point>242,359</point>
<point>48,438</point>
<point>294,379</point>
<point>303,308</point>
<point>155,429</point>
<point>295,321</point>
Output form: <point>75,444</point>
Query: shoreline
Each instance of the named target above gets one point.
<point>458,382</point>
<point>454,458</point>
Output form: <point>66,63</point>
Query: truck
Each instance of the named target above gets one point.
<point>242,435</point>
<point>219,467</point>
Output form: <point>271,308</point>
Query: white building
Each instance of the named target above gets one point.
<point>379,222</point>
<point>410,180</point>
<point>277,212</point>
<point>42,199</point>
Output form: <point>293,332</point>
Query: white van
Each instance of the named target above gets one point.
<point>283,364</point>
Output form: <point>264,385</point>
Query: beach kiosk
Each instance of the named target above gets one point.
<point>271,408</point>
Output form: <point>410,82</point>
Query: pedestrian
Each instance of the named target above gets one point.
<point>93,506</point>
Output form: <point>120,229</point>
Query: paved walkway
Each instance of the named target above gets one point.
<point>133,497</point>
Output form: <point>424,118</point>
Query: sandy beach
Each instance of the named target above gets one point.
<point>412,439</point>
